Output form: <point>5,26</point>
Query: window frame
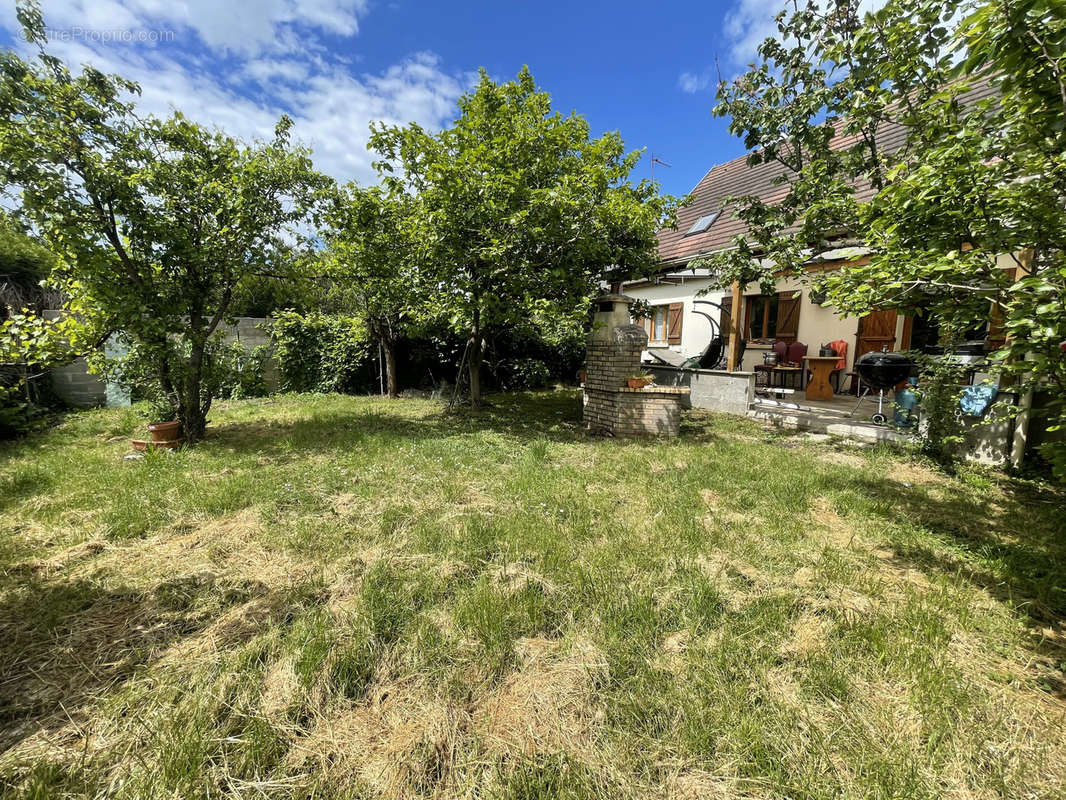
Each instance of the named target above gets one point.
<point>750,303</point>
<point>653,321</point>
<point>672,324</point>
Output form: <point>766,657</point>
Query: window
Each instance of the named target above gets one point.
<point>772,317</point>
<point>664,323</point>
<point>658,324</point>
<point>762,317</point>
<point>926,336</point>
<point>703,223</point>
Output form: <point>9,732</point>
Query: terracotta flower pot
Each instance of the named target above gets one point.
<point>637,383</point>
<point>165,431</point>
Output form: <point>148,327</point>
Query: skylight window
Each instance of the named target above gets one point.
<point>703,223</point>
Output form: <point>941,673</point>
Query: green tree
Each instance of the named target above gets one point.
<point>371,265</point>
<point>966,219</point>
<point>24,264</point>
<point>816,105</point>
<point>155,222</point>
<point>521,211</point>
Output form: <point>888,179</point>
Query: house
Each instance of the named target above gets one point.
<point>686,311</point>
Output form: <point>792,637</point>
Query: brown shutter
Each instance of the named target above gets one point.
<point>726,320</point>
<point>997,333</point>
<point>788,315</point>
<point>674,315</point>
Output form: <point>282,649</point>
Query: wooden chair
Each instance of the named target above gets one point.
<point>794,354</point>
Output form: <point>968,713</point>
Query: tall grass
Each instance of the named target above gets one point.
<point>350,597</point>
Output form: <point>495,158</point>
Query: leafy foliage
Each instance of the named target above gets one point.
<point>156,223</point>
<point>318,352</point>
<point>230,372</point>
<point>942,431</point>
<point>519,210</point>
<point>372,267</point>
<point>29,346</point>
<point>966,222</point>
<point>24,264</point>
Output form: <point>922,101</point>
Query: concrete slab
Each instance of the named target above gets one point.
<point>832,418</point>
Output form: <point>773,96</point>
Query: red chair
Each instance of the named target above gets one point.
<point>840,347</point>
<point>796,352</point>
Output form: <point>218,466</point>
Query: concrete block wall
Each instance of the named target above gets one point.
<point>715,390</point>
<point>74,385</point>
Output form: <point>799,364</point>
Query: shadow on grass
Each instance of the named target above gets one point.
<point>555,417</point>
<point>64,643</point>
<point>521,418</point>
<point>1015,551</point>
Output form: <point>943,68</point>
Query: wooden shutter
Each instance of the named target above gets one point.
<point>674,316</point>
<point>726,320</point>
<point>788,315</point>
<point>997,333</point>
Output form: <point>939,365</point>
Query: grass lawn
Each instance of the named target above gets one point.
<point>351,597</point>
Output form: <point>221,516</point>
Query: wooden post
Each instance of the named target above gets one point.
<point>734,330</point>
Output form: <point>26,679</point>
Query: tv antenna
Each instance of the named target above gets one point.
<point>656,160</point>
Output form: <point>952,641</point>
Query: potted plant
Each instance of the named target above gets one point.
<point>639,381</point>
<point>166,433</point>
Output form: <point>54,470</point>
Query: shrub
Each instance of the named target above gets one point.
<point>942,431</point>
<point>242,371</point>
<point>524,373</point>
<point>229,371</point>
<point>29,346</point>
<point>318,352</point>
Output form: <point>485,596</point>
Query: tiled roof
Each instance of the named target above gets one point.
<point>737,178</point>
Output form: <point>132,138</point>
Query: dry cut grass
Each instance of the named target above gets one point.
<point>344,597</point>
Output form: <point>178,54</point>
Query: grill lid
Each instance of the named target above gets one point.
<point>883,370</point>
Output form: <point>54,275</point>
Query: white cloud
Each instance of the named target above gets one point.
<point>331,105</point>
<point>747,24</point>
<point>246,27</point>
<point>691,83</point>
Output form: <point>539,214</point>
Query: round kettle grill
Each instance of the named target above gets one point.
<point>881,371</point>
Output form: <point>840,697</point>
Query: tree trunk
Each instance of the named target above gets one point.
<point>391,385</point>
<point>475,371</point>
<point>192,416</point>
<point>474,362</point>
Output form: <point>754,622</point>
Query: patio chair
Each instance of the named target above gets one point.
<point>794,354</point>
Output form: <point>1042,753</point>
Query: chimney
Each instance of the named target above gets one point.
<point>613,355</point>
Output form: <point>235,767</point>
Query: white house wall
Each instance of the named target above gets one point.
<point>817,324</point>
<point>695,329</point>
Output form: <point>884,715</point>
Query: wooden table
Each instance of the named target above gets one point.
<point>821,367</point>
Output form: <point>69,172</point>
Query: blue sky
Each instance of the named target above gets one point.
<point>645,69</point>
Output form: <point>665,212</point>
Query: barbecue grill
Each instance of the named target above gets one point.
<point>881,371</point>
